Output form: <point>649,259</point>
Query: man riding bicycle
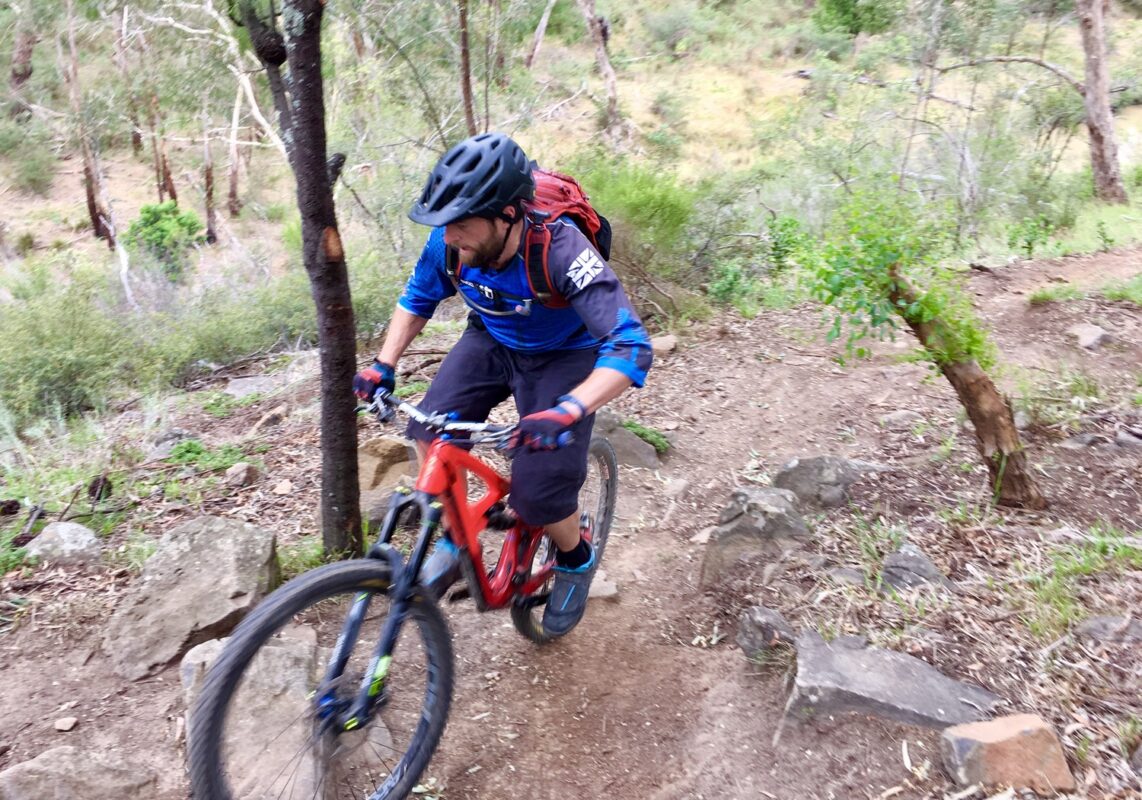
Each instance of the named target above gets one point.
<point>560,363</point>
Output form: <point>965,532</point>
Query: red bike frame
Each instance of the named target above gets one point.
<point>444,475</point>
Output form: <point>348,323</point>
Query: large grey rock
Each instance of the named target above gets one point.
<point>1128,437</point>
<point>244,387</point>
<point>66,773</point>
<point>203,578</point>
<point>66,543</point>
<point>756,522</point>
<point>630,450</point>
<point>1110,629</point>
<point>268,736</point>
<point>819,481</point>
<point>902,420</point>
<point>762,628</point>
<point>1088,336</point>
<point>840,677</point>
<point>909,567</point>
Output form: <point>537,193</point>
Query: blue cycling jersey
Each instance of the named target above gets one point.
<point>600,315</point>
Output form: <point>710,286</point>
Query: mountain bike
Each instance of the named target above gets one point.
<point>338,685</point>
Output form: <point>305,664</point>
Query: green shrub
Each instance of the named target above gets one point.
<point>195,453</point>
<point>31,160</point>
<point>1129,291</point>
<point>1055,294</point>
<point>1030,233</point>
<point>166,234</point>
<point>855,16</point>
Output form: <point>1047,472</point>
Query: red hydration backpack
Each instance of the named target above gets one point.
<point>556,195</point>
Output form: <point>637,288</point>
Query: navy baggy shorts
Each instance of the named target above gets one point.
<point>478,374</point>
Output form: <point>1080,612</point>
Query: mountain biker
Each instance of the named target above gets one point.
<point>560,364</point>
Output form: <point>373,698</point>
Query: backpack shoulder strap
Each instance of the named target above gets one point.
<point>452,265</point>
<point>537,245</point>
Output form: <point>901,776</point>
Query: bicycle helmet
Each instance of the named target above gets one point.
<point>477,178</point>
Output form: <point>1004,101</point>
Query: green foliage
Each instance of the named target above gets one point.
<point>654,438</point>
<point>195,453</point>
<point>32,161</point>
<point>10,557</point>
<point>1129,291</point>
<point>301,556</point>
<point>1029,234</point>
<point>222,405</point>
<point>873,237</point>
<point>1055,294</point>
<point>855,16</point>
<point>166,233</point>
<point>1105,240</point>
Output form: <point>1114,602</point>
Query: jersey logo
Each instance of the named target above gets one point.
<point>584,268</point>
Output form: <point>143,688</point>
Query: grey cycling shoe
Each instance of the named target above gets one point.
<point>568,598</point>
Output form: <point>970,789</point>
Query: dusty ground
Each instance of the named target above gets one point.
<point>650,697</point>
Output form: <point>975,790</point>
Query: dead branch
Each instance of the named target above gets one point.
<point>1076,84</point>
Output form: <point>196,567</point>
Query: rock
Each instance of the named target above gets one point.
<point>843,676</point>
<point>1083,440</point>
<point>270,419</point>
<point>703,536</point>
<point>1136,761</point>
<point>164,443</point>
<point>630,450</point>
<point>203,578</point>
<point>194,666</point>
<point>65,724</point>
<point>602,588</point>
<point>241,474</point>
<point>903,420</point>
<point>761,628</point>
<point>67,772</point>
<point>1127,437</point>
<point>1022,420</point>
<point>661,345</point>
<point>377,457</point>
<point>847,576</point>
<point>676,487</point>
<point>757,521</point>
<point>1088,336</point>
<point>909,567</point>
<point>1020,750</point>
<point>1110,629</point>
<point>239,388</point>
<point>283,487</point>
<point>820,481</point>
<point>66,543</point>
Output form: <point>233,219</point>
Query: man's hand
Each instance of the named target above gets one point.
<point>550,429</point>
<point>379,376</point>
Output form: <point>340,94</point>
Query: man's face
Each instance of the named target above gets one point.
<point>479,240</point>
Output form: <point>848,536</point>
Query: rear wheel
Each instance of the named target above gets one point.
<point>597,512</point>
<point>262,726</point>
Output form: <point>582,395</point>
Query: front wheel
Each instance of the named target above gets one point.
<point>597,512</point>
<point>264,724</point>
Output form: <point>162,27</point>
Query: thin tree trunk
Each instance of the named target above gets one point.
<point>997,438</point>
<point>540,32</point>
<point>156,156</point>
<point>21,71</point>
<point>120,59</point>
<point>161,148</point>
<point>208,180</point>
<point>466,70</point>
<point>1096,98</point>
<point>233,202</point>
<point>323,255</point>
<point>595,26</point>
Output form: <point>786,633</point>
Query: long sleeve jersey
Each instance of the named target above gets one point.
<point>600,315</point>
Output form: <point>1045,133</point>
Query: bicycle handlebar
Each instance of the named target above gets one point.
<point>385,405</point>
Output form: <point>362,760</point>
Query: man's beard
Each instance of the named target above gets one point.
<point>486,254</point>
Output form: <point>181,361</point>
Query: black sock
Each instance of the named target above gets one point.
<point>574,558</point>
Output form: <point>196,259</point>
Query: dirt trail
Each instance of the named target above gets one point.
<point>636,703</point>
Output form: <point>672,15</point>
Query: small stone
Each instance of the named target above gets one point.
<point>661,345</point>
<point>1019,750</point>
<point>1081,441</point>
<point>847,576</point>
<point>902,420</point>
<point>1022,420</point>
<point>909,567</point>
<point>819,481</point>
<point>271,418</point>
<point>762,628</point>
<point>283,487</point>
<point>603,589</point>
<point>241,474</point>
<point>676,487</point>
<point>66,543</point>
<point>703,536</point>
<point>1126,437</point>
<point>65,724</point>
<point>1089,337</point>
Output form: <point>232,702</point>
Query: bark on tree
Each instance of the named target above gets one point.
<point>323,255</point>
<point>997,438</point>
<point>540,32</point>
<point>611,120</point>
<point>21,70</point>
<point>1096,98</point>
<point>208,181</point>
<point>120,59</point>
<point>466,70</point>
<point>233,202</point>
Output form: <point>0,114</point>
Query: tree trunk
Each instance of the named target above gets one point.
<point>120,59</point>
<point>595,26</point>
<point>208,181</point>
<point>24,46</point>
<point>324,263</point>
<point>1096,97</point>
<point>997,438</point>
<point>233,203</point>
<point>540,32</point>
<point>466,70</point>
